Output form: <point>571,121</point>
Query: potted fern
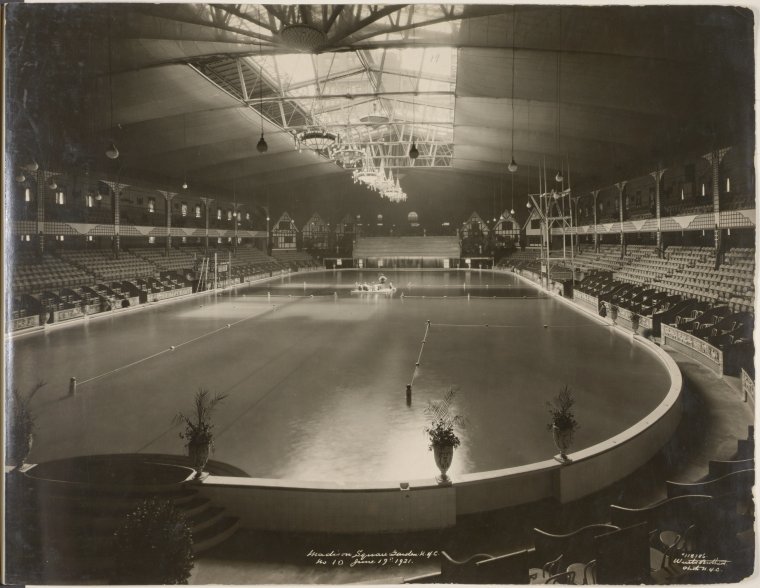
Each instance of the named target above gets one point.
<point>198,432</point>
<point>20,430</point>
<point>441,432</point>
<point>562,424</point>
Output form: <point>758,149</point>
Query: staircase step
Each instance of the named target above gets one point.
<point>101,503</point>
<point>217,533</point>
<point>194,507</point>
<point>205,519</point>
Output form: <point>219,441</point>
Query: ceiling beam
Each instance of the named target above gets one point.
<point>373,17</point>
<point>379,94</point>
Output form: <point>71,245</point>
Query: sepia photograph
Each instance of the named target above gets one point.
<point>378,293</point>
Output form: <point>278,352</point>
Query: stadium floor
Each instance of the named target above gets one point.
<point>316,385</point>
<point>712,406</point>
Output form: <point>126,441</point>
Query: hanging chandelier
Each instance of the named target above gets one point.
<point>377,180</point>
<point>367,175</point>
<point>348,156</point>
<point>395,194</point>
<point>317,139</point>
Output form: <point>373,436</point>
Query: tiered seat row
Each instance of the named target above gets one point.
<point>176,260</point>
<point>410,247</point>
<point>249,262</point>
<point>104,267</point>
<point>295,259</point>
<point>33,275</point>
<point>650,544</point>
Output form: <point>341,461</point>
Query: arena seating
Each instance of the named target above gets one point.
<point>176,260</point>
<point>636,545</point>
<point>294,259</point>
<point>30,274</point>
<point>409,247</point>
<point>104,267</point>
<point>686,271</point>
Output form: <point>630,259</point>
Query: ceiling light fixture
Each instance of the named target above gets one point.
<point>303,37</point>
<point>348,156</point>
<point>559,177</point>
<point>414,153</point>
<point>512,167</point>
<point>111,151</point>
<point>512,210</point>
<point>261,146</point>
<point>184,139</point>
<point>318,139</point>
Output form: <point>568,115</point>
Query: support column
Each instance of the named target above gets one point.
<point>621,187</point>
<point>715,157</point>
<point>657,175</point>
<point>236,206</point>
<point>595,194</point>
<point>206,204</point>
<point>574,222</point>
<point>42,178</point>
<point>116,190</point>
<point>168,196</point>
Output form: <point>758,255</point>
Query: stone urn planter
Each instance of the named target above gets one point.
<point>19,451</point>
<point>198,452</point>
<point>20,426</point>
<point>562,424</point>
<point>635,323</point>
<point>441,433</point>
<point>198,428</point>
<point>443,455</point>
<point>563,439</point>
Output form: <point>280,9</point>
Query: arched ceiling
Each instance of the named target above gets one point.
<point>185,90</point>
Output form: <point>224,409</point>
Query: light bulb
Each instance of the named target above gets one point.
<point>527,204</point>
<point>262,146</point>
<point>414,153</point>
<point>99,196</point>
<point>558,177</point>
<point>112,152</point>
<point>512,211</point>
<point>20,178</point>
<point>184,185</point>
<point>512,167</point>
<point>32,166</point>
<point>52,185</point>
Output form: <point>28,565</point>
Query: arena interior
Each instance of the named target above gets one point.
<point>330,216</point>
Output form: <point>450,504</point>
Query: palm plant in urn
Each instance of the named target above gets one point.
<point>20,429</point>
<point>563,424</point>
<point>198,435</point>
<point>441,432</point>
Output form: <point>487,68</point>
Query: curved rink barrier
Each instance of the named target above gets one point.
<point>423,504</point>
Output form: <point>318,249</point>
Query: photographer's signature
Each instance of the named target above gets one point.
<point>699,562</point>
<point>361,557</point>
